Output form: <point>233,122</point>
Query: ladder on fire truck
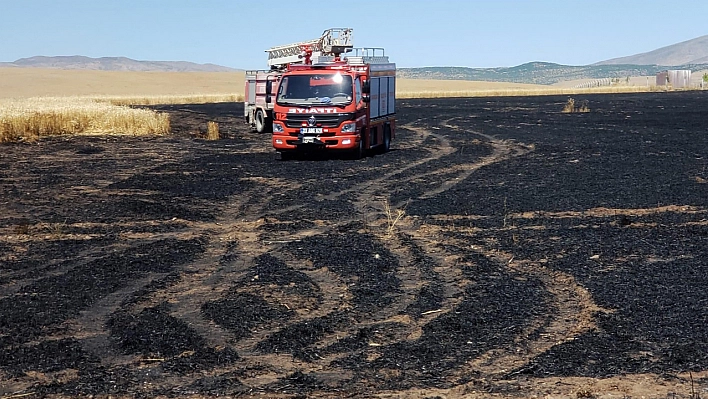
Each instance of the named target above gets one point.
<point>334,41</point>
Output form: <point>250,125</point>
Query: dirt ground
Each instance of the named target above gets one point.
<point>502,249</point>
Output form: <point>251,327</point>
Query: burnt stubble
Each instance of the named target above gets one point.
<point>533,244</point>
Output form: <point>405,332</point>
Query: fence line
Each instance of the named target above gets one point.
<point>595,83</point>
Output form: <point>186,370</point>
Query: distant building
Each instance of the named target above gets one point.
<point>676,78</point>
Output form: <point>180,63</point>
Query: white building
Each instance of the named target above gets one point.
<point>676,78</point>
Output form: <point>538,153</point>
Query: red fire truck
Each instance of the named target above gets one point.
<point>324,95</point>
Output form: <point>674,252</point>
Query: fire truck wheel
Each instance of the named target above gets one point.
<point>260,121</point>
<point>359,151</point>
<point>386,145</point>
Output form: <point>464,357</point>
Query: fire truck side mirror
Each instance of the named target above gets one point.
<point>268,99</point>
<point>365,87</point>
<point>269,87</point>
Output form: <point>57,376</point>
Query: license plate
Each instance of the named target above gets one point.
<point>306,130</point>
<point>308,140</point>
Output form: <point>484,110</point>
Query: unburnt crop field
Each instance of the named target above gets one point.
<point>503,248</point>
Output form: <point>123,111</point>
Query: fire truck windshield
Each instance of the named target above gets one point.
<point>315,89</point>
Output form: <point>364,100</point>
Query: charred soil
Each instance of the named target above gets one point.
<point>502,248</point>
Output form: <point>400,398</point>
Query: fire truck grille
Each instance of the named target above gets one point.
<point>323,120</point>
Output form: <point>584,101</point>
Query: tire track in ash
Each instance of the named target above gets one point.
<point>447,268</point>
<point>411,277</point>
<point>371,189</point>
<point>502,150</point>
<point>573,307</point>
<point>89,327</point>
<point>574,313</point>
<point>443,148</point>
<point>336,296</point>
<point>197,283</point>
<point>207,280</point>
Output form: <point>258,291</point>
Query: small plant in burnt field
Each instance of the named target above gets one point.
<point>55,229</point>
<point>391,218</point>
<point>212,131</point>
<point>570,106</point>
<point>506,214</point>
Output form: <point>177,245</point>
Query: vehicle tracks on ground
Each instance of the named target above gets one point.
<point>236,241</point>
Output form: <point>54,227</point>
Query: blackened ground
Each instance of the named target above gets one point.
<point>499,244</point>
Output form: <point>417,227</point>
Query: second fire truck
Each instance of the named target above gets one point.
<point>324,95</point>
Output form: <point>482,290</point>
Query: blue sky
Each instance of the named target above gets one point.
<point>483,33</point>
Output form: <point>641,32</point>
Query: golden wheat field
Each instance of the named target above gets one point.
<point>31,118</point>
<point>36,102</point>
<point>41,82</point>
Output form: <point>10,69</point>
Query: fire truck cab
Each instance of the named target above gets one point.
<point>333,98</point>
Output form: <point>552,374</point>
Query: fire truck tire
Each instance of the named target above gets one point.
<point>359,150</point>
<point>261,121</point>
<point>386,145</point>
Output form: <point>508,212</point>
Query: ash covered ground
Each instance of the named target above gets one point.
<point>502,248</point>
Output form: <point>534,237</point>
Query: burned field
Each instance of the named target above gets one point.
<point>501,248</point>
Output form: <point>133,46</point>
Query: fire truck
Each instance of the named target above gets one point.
<point>324,95</point>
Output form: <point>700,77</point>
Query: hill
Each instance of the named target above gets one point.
<point>690,52</point>
<point>113,64</point>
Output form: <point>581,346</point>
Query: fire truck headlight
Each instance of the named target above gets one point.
<point>277,128</point>
<point>349,127</point>
<point>346,142</point>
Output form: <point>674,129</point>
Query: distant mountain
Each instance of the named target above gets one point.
<point>113,64</point>
<point>694,51</point>
<point>536,72</point>
<point>691,54</point>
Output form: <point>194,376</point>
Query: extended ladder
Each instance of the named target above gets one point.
<point>333,41</point>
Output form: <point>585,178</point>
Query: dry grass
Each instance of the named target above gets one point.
<point>391,218</point>
<point>212,131</point>
<point>524,91</point>
<point>570,107</point>
<point>32,118</point>
<point>171,99</point>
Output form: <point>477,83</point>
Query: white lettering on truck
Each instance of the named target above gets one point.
<point>312,110</point>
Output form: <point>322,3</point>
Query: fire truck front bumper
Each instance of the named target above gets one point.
<point>290,143</point>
